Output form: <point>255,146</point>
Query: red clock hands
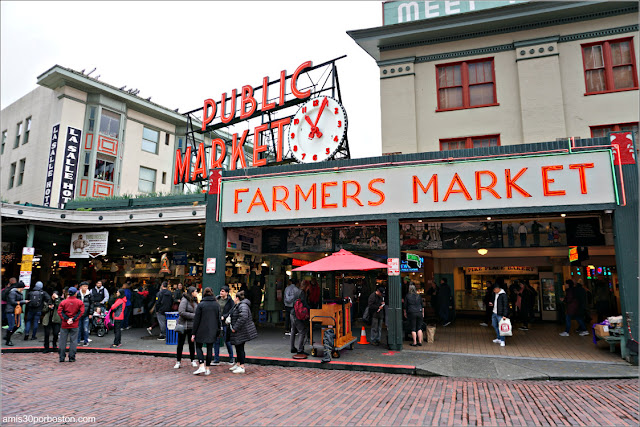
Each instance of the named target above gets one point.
<point>315,131</point>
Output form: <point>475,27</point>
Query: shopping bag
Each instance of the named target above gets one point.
<point>505,328</point>
<point>431,333</point>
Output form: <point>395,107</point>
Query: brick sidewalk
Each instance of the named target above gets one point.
<point>128,390</point>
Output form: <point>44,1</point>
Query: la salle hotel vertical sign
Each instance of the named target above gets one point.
<point>70,166</point>
<point>51,165</point>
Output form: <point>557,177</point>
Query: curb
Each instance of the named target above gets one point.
<point>264,361</point>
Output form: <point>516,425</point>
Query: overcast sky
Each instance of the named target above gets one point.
<point>181,53</point>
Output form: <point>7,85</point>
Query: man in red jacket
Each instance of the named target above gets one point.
<point>70,311</point>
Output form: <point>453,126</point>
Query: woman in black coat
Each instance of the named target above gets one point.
<point>186,313</point>
<point>206,326</point>
<point>242,330</point>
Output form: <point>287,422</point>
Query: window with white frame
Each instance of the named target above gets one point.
<point>104,170</point>
<point>16,144</point>
<point>27,130</point>
<point>21,171</point>
<point>150,139</point>
<point>12,174</point>
<point>4,141</point>
<point>147,180</point>
<point>110,123</point>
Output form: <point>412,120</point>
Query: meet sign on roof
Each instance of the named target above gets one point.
<point>395,12</point>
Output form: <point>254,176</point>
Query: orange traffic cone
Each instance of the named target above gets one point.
<point>363,337</point>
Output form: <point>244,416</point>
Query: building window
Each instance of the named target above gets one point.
<point>609,66</point>
<point>110,123</point>
<point>150,140</point>
<point>12,174</point>
<point>92,118</point>
<point>147,180</point>
<point>599,131</point>
<point>87,164</point>
<point>104,170</point>
<point>27,131</point>
<point>164,177</point>
<point>21,171</point>
<point>466,84</point>
<point>4,141</point>
<point>470,142</point>
<point>166,139</point>
<point>16,144</point>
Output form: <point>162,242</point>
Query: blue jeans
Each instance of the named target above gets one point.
<point>579,319</point>
<point>83,329</point>
<point>33,318</point>
<point>495,320</point>
<point>216,346</point>
<point>127,314</point>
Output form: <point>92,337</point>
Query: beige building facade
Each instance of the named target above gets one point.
<point>525,73</point>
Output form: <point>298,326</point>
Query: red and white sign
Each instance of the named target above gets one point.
<point>623,143</point>
<point>393,266</point>
<point>211,265</point>
<point>554,180</point>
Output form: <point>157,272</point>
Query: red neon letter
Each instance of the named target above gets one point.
<point>377,192</point>
<point>326,205</point>
<point>200,168</point>
<point>489,188</point>
<point>305,197</point>
<point>247,98</point>
<point>511,183</point>
<point>294,79</point>
<point>283,82</point>
<point>463,189</point>
<point>237,150</point>
<point>206,117</point>
<point>236,199</point>
<point>583,180</point>
<point>433,181</point>
<point>232,114</point>
<point>353,197</point>
<point>217,162</point>
<point>265,96</point>
<point>280,124</point>
<point>183,167</point>
<point>260,203</point>
<point>258,147</point>
<point>546,181</point>
<point>282,201</point>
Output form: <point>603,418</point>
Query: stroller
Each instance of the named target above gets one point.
<point>98,324</point>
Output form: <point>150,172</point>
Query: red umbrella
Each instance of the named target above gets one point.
<point>340,261</point>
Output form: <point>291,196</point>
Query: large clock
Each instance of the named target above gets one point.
<point>317,130</point>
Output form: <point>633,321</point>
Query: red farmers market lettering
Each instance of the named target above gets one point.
<point>583,180</point>
<point>546,181</point>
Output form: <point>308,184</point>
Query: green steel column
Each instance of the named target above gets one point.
<point>31,231</point>
<point>215,243</point>
<point>625,223</point>
<point>394,300</point>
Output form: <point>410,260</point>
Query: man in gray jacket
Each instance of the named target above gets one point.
<point>291,294</point>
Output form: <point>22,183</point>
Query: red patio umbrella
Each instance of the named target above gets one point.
<point>341,261</point>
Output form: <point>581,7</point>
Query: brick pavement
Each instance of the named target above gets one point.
<point>128,390</point>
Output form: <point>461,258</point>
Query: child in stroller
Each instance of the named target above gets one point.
<point>98,321</point>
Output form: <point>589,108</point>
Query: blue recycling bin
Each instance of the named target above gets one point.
<point>172,335</point>
<point>262,316</point>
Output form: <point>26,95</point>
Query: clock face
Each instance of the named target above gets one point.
<point>317,129</point>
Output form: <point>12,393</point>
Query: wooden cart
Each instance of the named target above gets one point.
<point>337,316</point>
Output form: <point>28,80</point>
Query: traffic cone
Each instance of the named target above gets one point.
<point>363,337</point>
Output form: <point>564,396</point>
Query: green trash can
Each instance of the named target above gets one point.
<point>172,335</point>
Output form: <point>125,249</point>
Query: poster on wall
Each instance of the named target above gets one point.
<point>421,235</point>
<point>309,240</point>
<point>51,164</point>
<point>70,166</point>
<point>88,244</point>
<point>354,238</point>
<point>584,232</point>
<point>274,241</point>
<point>536,233</point>
<point>471,235</point>
<point>244,239</point>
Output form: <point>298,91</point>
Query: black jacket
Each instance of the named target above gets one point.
<point>206,322</point>
<point>242,324</point>
<point>88,303</point>
<point>502,305</point>
<point>228,305</point>
<point>44,298</point>
<point>164,301</point>
<point>374,303</point>
<point>413,303</point>
<point>14,298</point>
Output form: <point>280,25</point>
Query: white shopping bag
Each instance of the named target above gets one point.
<point>504,326</point>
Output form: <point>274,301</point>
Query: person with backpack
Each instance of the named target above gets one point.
<point>117,312</point>
<point>70,310</point>
<point>206,329</point>
<point>242,330</point>
<point>300,321</point>
<point>14,309</point>
<point>375,303</point>
<point>164,300</point>
<point>291,294</point>
<point>37,300</point>
<point>226,304</point>
<point>83,329</point>
<point>314,294</point>
<point>51,322</point>
<point>186,313</point>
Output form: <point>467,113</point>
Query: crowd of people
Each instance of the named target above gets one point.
<point>69,315</point>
